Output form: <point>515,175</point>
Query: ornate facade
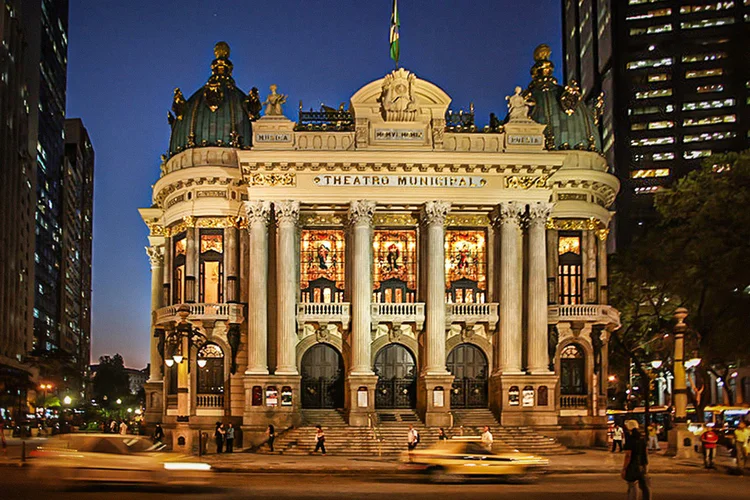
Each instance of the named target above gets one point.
<point>388,255</point>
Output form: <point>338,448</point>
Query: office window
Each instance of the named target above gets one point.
<point>711,56</point>
<point>709,120</point>
<point>650,63</point>
<point>651,141</point>
<point>652,125</point>
<point>706,89</point>
<point>649,173</point>
<point>707,23</point>
<point>646,189</point>
<point>692,9</point>
<point>662,156</point>
<point>651,30</point>
<point>650,14</point>
<point>652,94</point>
<point>659,77</point>
<point>704,73</point>
<point>724,103</point>
<point>715,136</point>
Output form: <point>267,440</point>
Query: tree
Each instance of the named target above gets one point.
<point>111,381</point>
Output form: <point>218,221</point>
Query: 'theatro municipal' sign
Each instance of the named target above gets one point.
<point>373,180</point>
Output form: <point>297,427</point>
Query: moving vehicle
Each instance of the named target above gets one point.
<point>113,459</point>
<point>466,457</point>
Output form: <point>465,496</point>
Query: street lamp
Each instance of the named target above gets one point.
<point>656,364</point>
<point>67,400</point>
<point>119,401</point>
<point>183,331</point>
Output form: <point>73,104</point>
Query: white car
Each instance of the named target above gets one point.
<point>114,459</point>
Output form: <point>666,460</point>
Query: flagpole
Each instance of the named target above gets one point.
<point>394,34</point>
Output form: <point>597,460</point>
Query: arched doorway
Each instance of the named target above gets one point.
<point>322,378</point>
<point>572,370</point>
<point>468,364</point>
<point>397,379</point>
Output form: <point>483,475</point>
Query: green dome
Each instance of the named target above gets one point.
<point>217,114</point>
<point>571,123</point>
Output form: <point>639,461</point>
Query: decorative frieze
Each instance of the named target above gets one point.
<point>402,220</point>
<point>574,224</point>
<point>572,197</point>
<point>321,219</point>
<point>526,181</point>
<point>467,220</point>
<point>272,179</point>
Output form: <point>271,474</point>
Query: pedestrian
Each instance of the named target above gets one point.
<point>709,440</point>
<point>2,437</point>
<point>441,435</point>
<point>635,464</point>
<point>123,428</point>
<point>487,438</point>
<point>230,437</point>
<point>158,434</point>
<point>412,439</point>
<point>113,426</point>
<point>742,444</point>
<point>653,437</point>
<point>219,437</point>
<point>271,433</point>
<point>617,436</point>
<point>320,440</point>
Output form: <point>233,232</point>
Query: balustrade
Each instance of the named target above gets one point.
<point>210,401</point>
<point>574,401</point>
<point>595,313</point>
<point>325,312</point>
<point>234,313</point>
<point>472,313</point>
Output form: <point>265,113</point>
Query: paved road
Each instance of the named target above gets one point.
<point>16,484</point>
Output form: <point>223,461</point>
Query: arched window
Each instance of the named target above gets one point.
<point>211,376</point>
<point>211,289</point>
<point>570,269</point>
<point>572,370</point>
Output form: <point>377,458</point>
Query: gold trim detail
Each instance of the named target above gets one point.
<point>590,224</point>
<point>321,219</point>
<point>602,234</point>
<point>526,181</point>
<point>470,220</point>
<point>272,180</point>
<point>156,229</point>
<point>204,222</point>
<point>381,219</point>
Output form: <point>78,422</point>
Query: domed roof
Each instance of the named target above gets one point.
<point>217,114</point>
<point>571,123</point>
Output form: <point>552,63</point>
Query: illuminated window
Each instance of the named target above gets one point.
<point>650,63</point>
<point>707,23</point>
<point>395,265</point>
<point>647,110</point>
<point>705,89</point>
<point>691,9</point>
<point>322,265</point>
<point>703,73</point>
<point>652,125</point>
<point>649,173</point>
<point>651,94</point>
<point>646,189</point>
<point>716,136</point>
<point>709,120</point>
<point>660,77</point>
<point>465,266</point>
<point>570,268</point>
<point>713,56</point>
<point>662,156</point>
<point>566,244</point>
<point>178,269</point>
<point>698,153</point>
<point>722,103</point>
<point>651,30</point>
<point>211,266</point>
<point>639,2</point>
<point>180,246</point>
<point>651,141</point>
<point>650,14</point>
<point>212,243</point>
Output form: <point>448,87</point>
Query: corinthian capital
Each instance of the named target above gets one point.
<point>509,212</point>
<point>539,212</point>
<point>361,212</point>
<point>258,211</point>
<point>435,212</point>
<point>155,256</point>
<point>287,212</point>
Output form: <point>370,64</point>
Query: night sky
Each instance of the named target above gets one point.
<point>125,59</point>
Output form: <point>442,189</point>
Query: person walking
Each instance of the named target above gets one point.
<point>653,437</point>
<point>635,464</point>
<point>617,435</point>
<point>113,426</point>
<point>441,435</point>
<point>320,440</point>
<point>158,434</point>
<point>709,440</point>
<point>412,439</point>
<point>487,439</point>
<point>219,437</point>
<point>123,428</point>
<point>271,433</point>
<point>741,444</point>
<point>230,437</point>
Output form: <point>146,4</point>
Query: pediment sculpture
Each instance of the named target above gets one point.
<point>397,100</point>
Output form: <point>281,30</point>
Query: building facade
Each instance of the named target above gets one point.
<point>385,256</point>
<point>675,83</point>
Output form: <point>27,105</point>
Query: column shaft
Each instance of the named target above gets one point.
<point>537,291</point>
<point>191,255</point>
<point>511,275</point>
<point>156,258</point>
<point>167,285</point>
<point>231,259</point>
<point>258,215</point>
<point>602,264</point>
<point>552,265</point>
<point>287,213</point>
<point>360,220</point>
<point>434,218</point>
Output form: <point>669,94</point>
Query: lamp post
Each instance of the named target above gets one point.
<point>680,439</point>
<point>180,342</point>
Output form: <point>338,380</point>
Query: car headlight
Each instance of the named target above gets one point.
<point>186,466</point>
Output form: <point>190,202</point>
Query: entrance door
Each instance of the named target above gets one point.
<point>572,370</point>
<point>469,365</point>
<point>322,378</point>
<point>397,381</point>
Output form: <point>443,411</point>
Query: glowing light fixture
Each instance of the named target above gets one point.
<point>169,362</point>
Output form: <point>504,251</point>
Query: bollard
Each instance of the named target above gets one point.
<point>23,451</point>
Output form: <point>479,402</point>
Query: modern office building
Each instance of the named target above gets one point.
<point>676,84</point>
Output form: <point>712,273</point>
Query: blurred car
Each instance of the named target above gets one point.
<point>114,459</point>
<point>464,457</point>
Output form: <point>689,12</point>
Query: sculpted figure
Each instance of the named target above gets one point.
<point>274,101</point>
<point>518,106</point>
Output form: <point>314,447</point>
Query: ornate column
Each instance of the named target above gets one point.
<point>588,254</point>
<point>602,265</point>
<point>156,257</point>
<point>258,215</point>
<point>287,214</point>
<point>508,359</point>
<point>434,213</point>
<point>167,283</point>
<point>552,265</point>
<point>537,291</point>
<point>360,220</point>
<point>231,258</point>
<point>191,255</point>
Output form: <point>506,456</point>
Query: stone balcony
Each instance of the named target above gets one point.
<point>231,313</point>
<point>584,313</point>
<point>398,313</point>
<point>472,314</point>
<point>323,313</point>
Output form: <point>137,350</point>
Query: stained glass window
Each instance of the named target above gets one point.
<point>180,246</point>
<point>395,258</point>
<point>212,242</point>
<point>466,265</point>
<point>322,257</point>
<point>569,244</point>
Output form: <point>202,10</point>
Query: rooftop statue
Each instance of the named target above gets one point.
<point>274,102</point>
<point>253,104</point>
<point>519,106</point>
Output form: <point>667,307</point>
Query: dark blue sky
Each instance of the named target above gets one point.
<point>125,58</point>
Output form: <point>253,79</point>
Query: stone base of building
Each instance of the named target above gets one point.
<point>154,402</point>
<point>582,432</point>
<point>434,399</point>
<point>360,398</point>
<point>524,399</point>
<point>274,399</point>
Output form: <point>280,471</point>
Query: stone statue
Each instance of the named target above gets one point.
<point>273,102</point>
<point>253,104</point>
<point>519,106</point>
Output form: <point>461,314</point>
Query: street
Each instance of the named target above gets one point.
<point>276,486</point>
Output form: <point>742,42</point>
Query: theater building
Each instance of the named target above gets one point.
<point>390,255</point>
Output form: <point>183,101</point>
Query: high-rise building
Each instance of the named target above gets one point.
<point>77,232</point>
<point>50,152</point>
<point>676,79</point>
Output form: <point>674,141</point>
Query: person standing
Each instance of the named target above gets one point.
<point>158,434</point>
<point>441,435</point>
<point>113,426</point>
<point>219,437</point>
<point>487,439</point>
<point>741,444</point>
<point>123,428</point>
<point>653,437</point>
<point>709,440</point>
<point>412,439</point>
<point>617,435</point>
<point>2,437</point>
<point>230,437</point>
<point>271,433</point>
<point>320,440</point>
<point>635,464</point>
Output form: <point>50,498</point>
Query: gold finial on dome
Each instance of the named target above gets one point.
<point>543,69</point>
<point>542,53</point>
<point>221,50</point>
